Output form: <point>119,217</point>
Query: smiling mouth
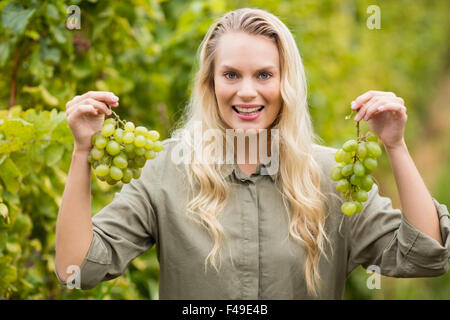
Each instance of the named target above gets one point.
<point>252,111</point>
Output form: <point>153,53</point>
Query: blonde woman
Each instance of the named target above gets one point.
<point>264,227</point>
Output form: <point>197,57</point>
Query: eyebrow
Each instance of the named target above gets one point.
<point>260,69</point>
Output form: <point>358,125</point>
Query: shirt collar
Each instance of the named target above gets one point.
<point>228,169</point>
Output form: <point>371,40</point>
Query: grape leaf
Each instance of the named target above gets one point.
<point>10,174</point>
<point>53,153</point>
<point>17,128</point>
<point>15,17</point>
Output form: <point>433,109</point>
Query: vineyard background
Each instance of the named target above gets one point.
<point>43,65</point>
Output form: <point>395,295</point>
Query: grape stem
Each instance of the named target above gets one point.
<point>357,130</point>
<point>358,139</point>
<point>117,117</point>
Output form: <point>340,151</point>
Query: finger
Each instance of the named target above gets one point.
<point>371,106</point>
<point>84,109</point>
<point>100,106</point>
<point>363,108</point>
<point>359,101</point>
<point>105,96</point>
<point>72,102</point>
<point>391,106</point>
<point>79,111</point>
<point>373,109</point>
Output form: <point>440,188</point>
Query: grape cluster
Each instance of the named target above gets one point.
<point>120,150</point>
<point>355,161</point>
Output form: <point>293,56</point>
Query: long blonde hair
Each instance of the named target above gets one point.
<point>299,174</point>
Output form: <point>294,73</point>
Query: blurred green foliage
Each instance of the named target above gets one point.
<point>144,52</point>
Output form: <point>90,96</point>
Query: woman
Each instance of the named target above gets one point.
<point>237,230</point>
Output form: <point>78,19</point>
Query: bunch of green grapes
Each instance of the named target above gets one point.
<point>120,150</point>
<point>355,161</point>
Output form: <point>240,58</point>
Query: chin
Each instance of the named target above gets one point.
<point>249,126</point>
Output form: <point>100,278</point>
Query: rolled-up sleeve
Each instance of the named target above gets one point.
<point>123,230</point>
<point>381,236</point>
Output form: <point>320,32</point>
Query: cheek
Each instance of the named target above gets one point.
<point>223,93</point>
<point>273,94</point>
<point>274,91</point>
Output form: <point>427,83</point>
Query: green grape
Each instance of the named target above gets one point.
<point>361,152</point>
<point>113,148</point>
<point>150,154</point>
<point>343,185</point>
<point>97,154</point>
<point>347,170</point>
<point>370,164</point>
<point>115,173</point>
<point>153,135</point>
<point>140,141</point>
<point>118,135</point>
<point>102,170</point>
<point>110,121</point>
<point>128,148</point>
<point>149,144</point>
<point>335,172</point>
<point>358,206</point>
<point>358,169</point>
<point>360,195</point>
<point>366,183</point>
<point>347,157</point>
<point>100,142</point>
<point>339,155</point>
<point>139,161</point>
<point>136,173</point>
<point>348,208</point>
<point>108,130</point>
<point>140,151</point>
<point>355,180</point>
<point>90,159</point>
<point>95,136</point>
<point>141,131</point>
<point>111,181</point>
<point>128,137</point>
<point>350,145</point>
<point>131,155</point>
<point>158,146</point>
<point>107,159</point>
<point>131,163</point>
<point>370,136</point>
<point>373,149</point>
<point>127,175</point>
<point>129,126</point>
<point>102,178</point>
<point>120,162</point>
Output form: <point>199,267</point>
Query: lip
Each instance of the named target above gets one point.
<point>245,117</point>
<point>248,105</point>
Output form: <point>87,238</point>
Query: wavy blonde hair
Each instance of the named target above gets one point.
<point>299,174</point>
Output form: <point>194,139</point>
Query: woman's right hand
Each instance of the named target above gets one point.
<point>85,116</point>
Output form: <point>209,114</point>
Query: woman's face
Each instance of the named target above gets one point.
<point>247,81</point>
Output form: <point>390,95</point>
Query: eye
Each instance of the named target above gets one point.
<point>228,73</point>
<point>265,73</point>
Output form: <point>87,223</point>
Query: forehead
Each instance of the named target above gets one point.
<point>243,51</point>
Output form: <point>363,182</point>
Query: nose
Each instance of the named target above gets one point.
<point>247,90</point>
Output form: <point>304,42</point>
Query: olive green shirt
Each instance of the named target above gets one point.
<point>265,262</point>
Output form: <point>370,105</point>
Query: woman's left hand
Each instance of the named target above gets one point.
<point>386,114</point>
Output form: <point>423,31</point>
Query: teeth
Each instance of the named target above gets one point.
<point>247,110</point>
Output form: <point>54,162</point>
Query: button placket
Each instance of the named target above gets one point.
<point>251,242</point>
